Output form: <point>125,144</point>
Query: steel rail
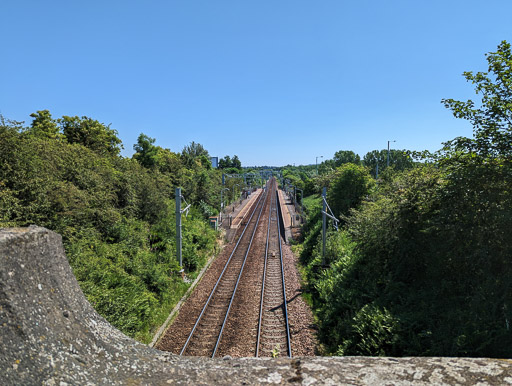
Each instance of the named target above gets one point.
<point>265,194</point>
<point>263,281</point>
<point>240,274</point>
<point>284,286</point>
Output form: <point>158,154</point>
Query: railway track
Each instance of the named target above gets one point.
<point>231,320</point>
<point>206,334</point>
<point>273,330</point>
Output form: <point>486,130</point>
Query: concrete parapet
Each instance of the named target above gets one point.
<point>51,335</point>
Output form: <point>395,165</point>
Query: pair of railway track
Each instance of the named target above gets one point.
<point>273,333</point>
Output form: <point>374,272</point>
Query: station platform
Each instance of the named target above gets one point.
<point>244,209</point>
<point>234,214</point>
<point>291,223</point>
<point>287,216</point>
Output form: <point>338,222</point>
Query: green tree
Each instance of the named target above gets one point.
<point>91,134</point>
<point>205,162</point>
<point>345,156</point>
<point>235,162</point>
<point>398,160</point>
<point>375,161</point>
<point>195,150</point>
<point>350,183</point>
<point>192,152</point>
<point>429,272</point>
<point>44,126</point>
<point>146,153</point>
<point>225,162</point>
<point>228,162</point>
<point>326,167</point>
<point>116,217</point>
<point>151,156</point>
<point>170,164</point>
<point>492,119</point>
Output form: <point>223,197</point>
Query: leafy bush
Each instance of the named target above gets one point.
<point>115,214</point>
<point>421,269</point>
<point>349,185</point>
<point>423,265</point>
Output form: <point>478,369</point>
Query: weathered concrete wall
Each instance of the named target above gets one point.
<point>50,334</point>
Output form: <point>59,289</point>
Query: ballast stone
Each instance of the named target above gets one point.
<point>51,335</point>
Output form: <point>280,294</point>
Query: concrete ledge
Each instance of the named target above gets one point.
<point>51,335</point>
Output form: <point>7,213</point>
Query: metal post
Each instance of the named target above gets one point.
<point>388,156</point>
<point>234,186</point>
<point>221,199</point>
<point>178,225</point>
<point>388,152</point>
<point>324,223</point>
<point>316,163</point>
<point>301,203</point>
<point>222,203</point>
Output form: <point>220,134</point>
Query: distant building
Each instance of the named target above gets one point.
<point>214,161</point>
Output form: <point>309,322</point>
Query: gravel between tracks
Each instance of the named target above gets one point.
<point>302,326</point>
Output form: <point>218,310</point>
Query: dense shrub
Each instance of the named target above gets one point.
<point>349,185</point>
<point>423,265</point>
<point>422,269</point>
<point>116,215</point>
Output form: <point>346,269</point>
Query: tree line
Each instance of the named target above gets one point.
<point>115,213</point>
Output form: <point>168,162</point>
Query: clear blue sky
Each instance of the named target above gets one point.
<point>275,82</point>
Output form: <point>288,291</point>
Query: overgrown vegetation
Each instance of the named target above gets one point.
<point>116,214</point>
<point>422,265</point>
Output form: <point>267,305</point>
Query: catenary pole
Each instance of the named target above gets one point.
<point>324,222</point>
<point>178,225</point>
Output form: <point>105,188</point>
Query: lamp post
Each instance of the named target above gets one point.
<point>222,201</point>
<point>178,226</point>
<point>234,190</point>
<point>388,152</point>
<point>316,162</point>
<point>324,223</point>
